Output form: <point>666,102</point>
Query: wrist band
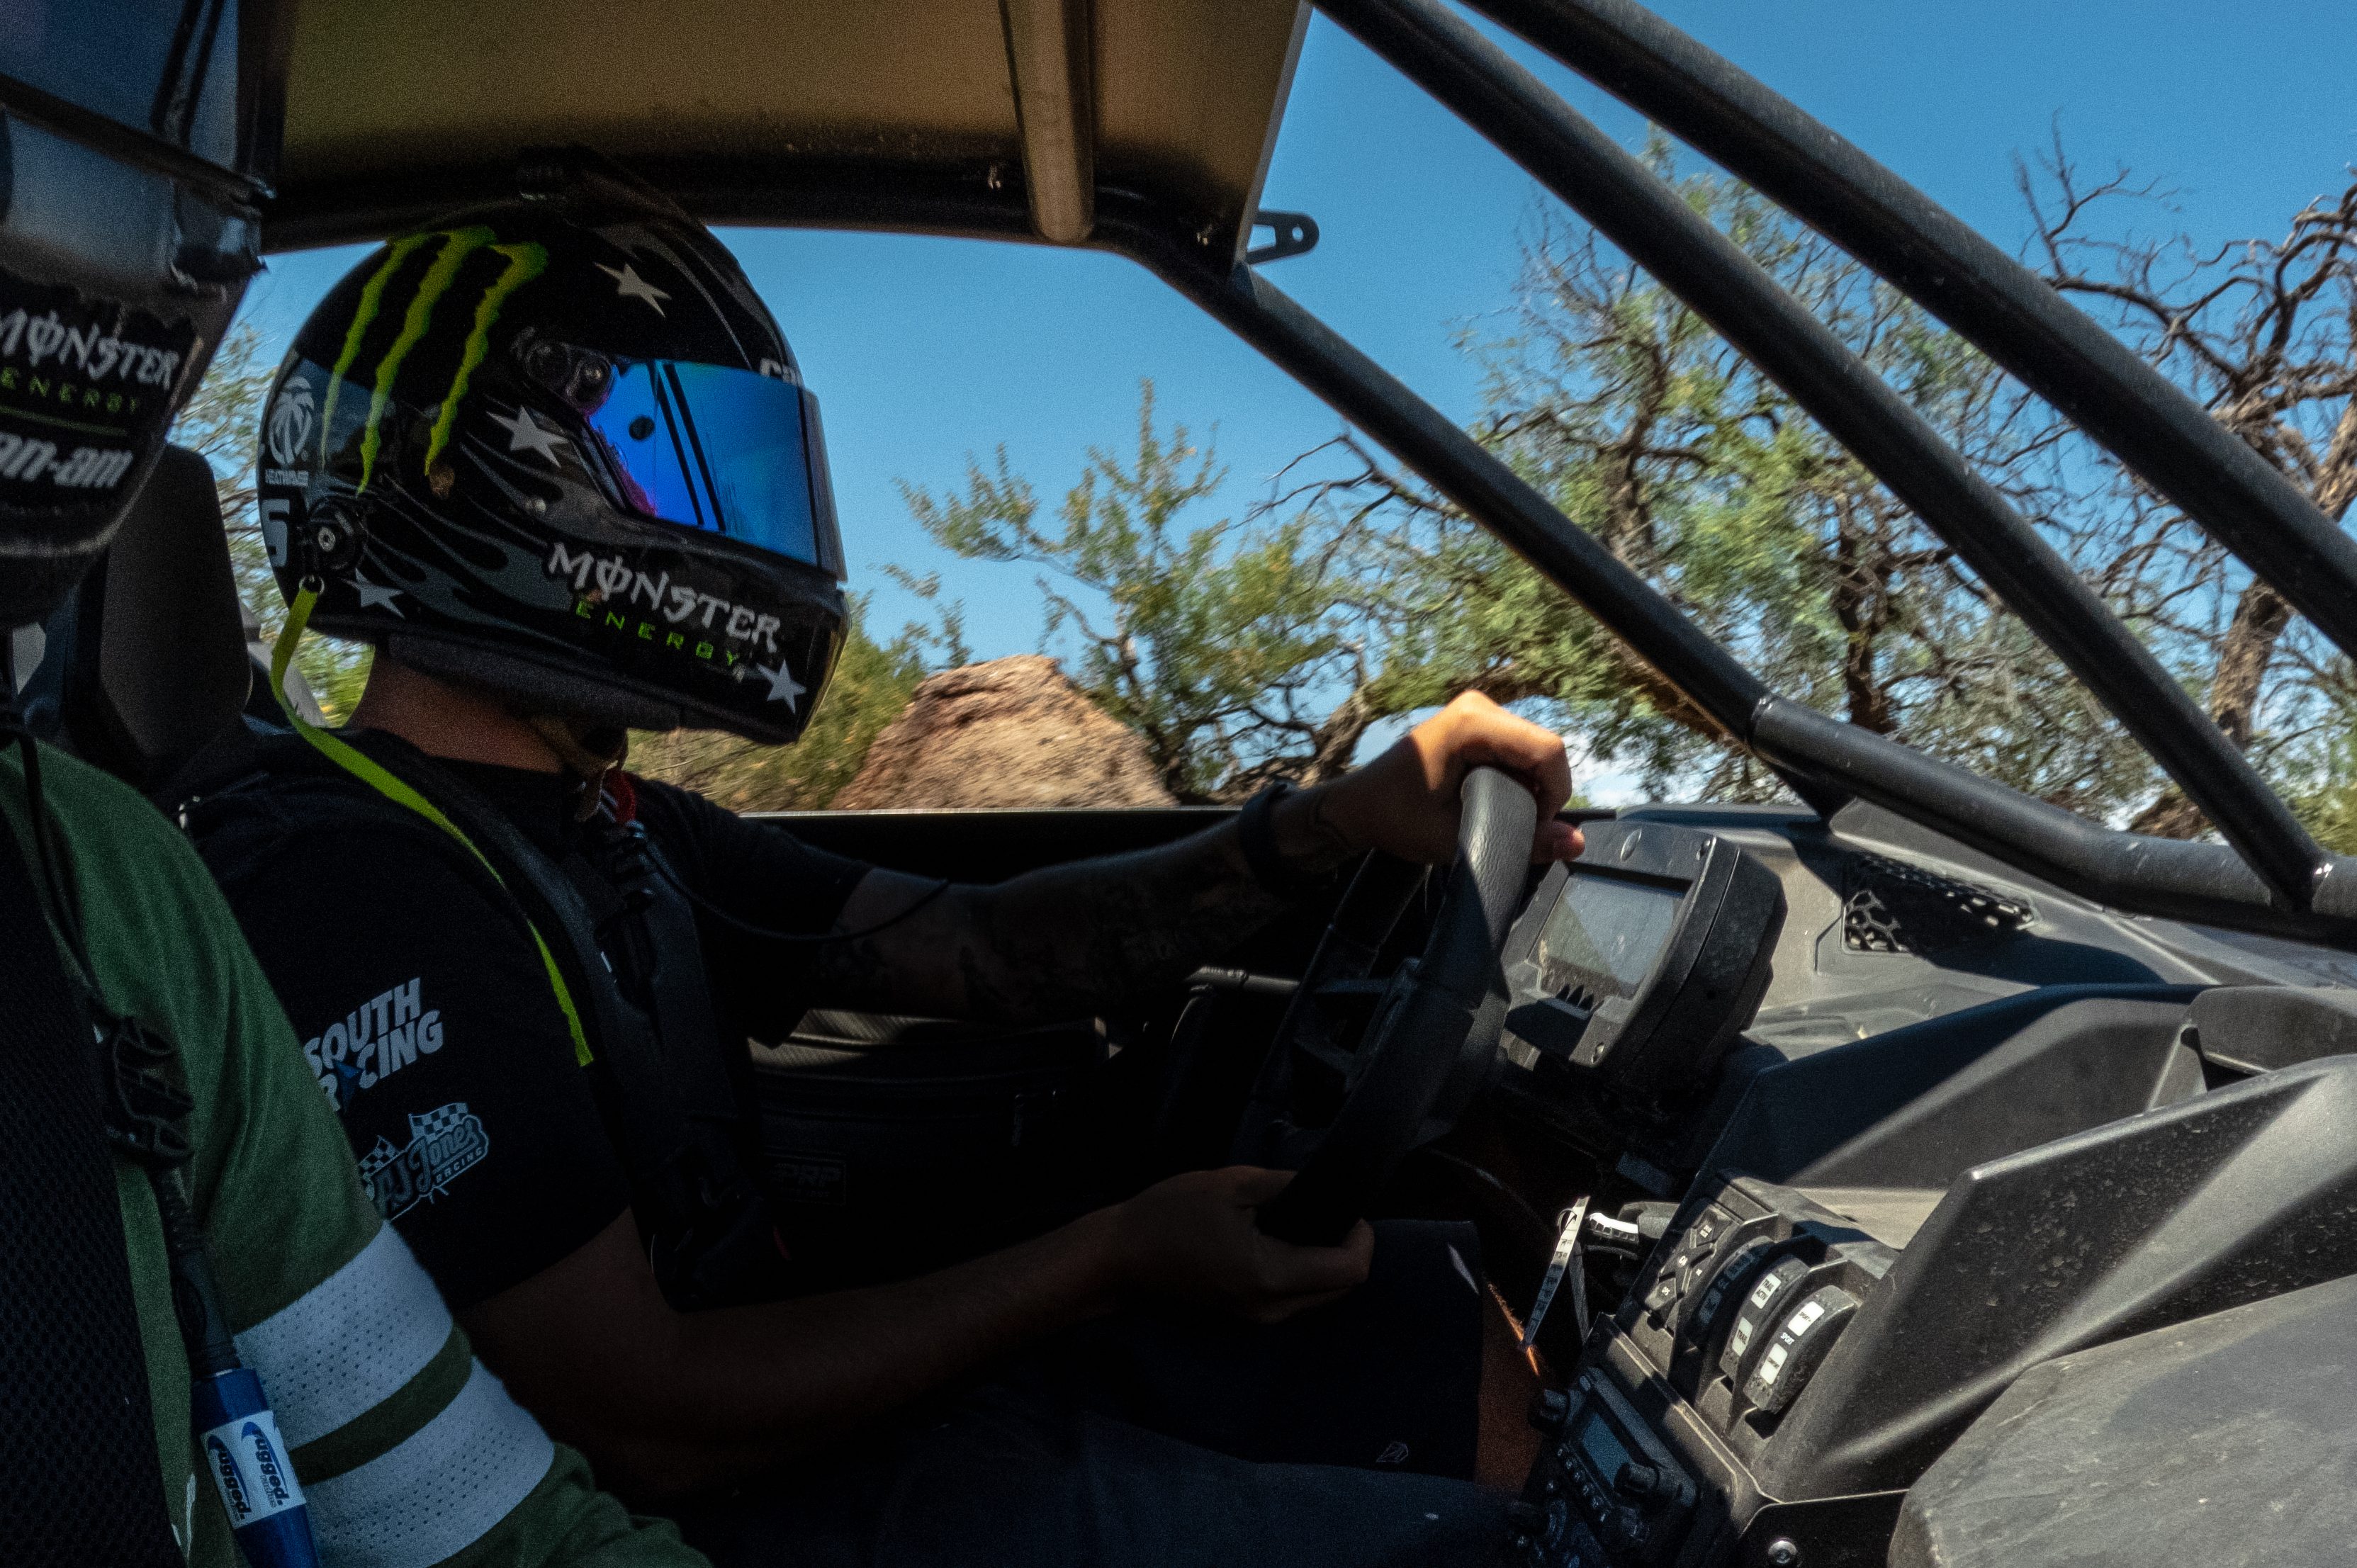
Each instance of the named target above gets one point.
<point>1256,835</point>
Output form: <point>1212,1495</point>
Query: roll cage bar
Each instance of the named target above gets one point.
<point>2268,876</point>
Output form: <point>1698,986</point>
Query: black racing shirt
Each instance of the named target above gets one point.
<point>426,1015</point>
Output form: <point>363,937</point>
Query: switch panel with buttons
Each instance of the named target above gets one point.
<point>1734,1310</point>
<point>1795,1347</point>
<point>1760,1306</point>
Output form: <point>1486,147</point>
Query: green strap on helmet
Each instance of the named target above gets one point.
<point>372,774</point>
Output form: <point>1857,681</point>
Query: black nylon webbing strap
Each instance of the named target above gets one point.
<point>78,1486</point>
<point>709,1226</point>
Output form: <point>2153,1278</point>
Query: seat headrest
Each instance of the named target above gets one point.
<point>157,666</point>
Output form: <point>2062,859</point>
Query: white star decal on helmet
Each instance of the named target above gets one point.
<point>374,596</point>
<point>526,433</point>
<point>783,687</point>
<point>629,284</point>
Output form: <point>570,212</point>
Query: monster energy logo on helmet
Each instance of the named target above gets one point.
<point>523,262</point>
<point>453,463</point>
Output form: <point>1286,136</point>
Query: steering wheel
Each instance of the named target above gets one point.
<point>1344,1115</point>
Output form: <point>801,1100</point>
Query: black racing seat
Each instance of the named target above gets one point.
<point>149,664</point>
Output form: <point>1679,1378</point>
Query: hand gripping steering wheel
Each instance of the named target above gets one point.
<point>1344,1115</point>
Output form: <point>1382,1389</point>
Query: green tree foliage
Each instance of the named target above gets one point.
<point>1220,642</point>
<point>1354,595</point>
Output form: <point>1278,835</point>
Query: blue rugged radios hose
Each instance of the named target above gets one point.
<point>238,1443</point>
<point>237,1437</point>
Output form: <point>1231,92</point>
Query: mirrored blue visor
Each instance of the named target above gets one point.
<point>730,451</point>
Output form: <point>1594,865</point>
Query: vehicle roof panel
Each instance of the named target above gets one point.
<point>395,103</point>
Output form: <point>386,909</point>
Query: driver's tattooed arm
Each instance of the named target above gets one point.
<point>1069,940</point>
<point>1066,940</point>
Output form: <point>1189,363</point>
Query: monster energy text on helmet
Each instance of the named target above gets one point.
<point>558,449</point>
<point>131,152</point>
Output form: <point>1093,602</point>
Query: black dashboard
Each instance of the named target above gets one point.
<point>1967,1211</point>
<point>1925,1125</point>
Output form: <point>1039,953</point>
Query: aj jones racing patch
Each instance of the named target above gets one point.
<point>443,1145</point>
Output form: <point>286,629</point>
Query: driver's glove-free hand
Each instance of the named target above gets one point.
<point>1194,1240</point>
<point>1406,801</point>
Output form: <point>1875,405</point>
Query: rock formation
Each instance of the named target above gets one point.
<point>1011,732</point>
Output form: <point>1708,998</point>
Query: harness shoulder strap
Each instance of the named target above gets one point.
<point>664,957</point>
<point>707,1224</point>
<point>733,1252</point>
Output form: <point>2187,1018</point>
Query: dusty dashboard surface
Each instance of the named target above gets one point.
<point>1926,1125</point>
<point>1696,956</point>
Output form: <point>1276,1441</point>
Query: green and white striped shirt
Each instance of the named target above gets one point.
<point>410,1453</point>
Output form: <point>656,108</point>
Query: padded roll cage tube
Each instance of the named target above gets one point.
<point>1650,222</point>
<point>2175,878</point>
<point>1925,250</point>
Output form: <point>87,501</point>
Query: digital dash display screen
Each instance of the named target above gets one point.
<point>1607,931</point>
<point>1605,1453</point>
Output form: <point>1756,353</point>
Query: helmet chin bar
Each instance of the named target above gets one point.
<point>32,588</point>
<point>533,690</point>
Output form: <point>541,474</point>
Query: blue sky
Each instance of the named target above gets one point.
<point>923,350</point>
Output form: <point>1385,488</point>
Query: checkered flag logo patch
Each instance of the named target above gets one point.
<point>444,1143</point>
<point>442,1120</point>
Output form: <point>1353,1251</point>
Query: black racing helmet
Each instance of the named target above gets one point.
<point>135,139</point>
<point>559,450</point>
